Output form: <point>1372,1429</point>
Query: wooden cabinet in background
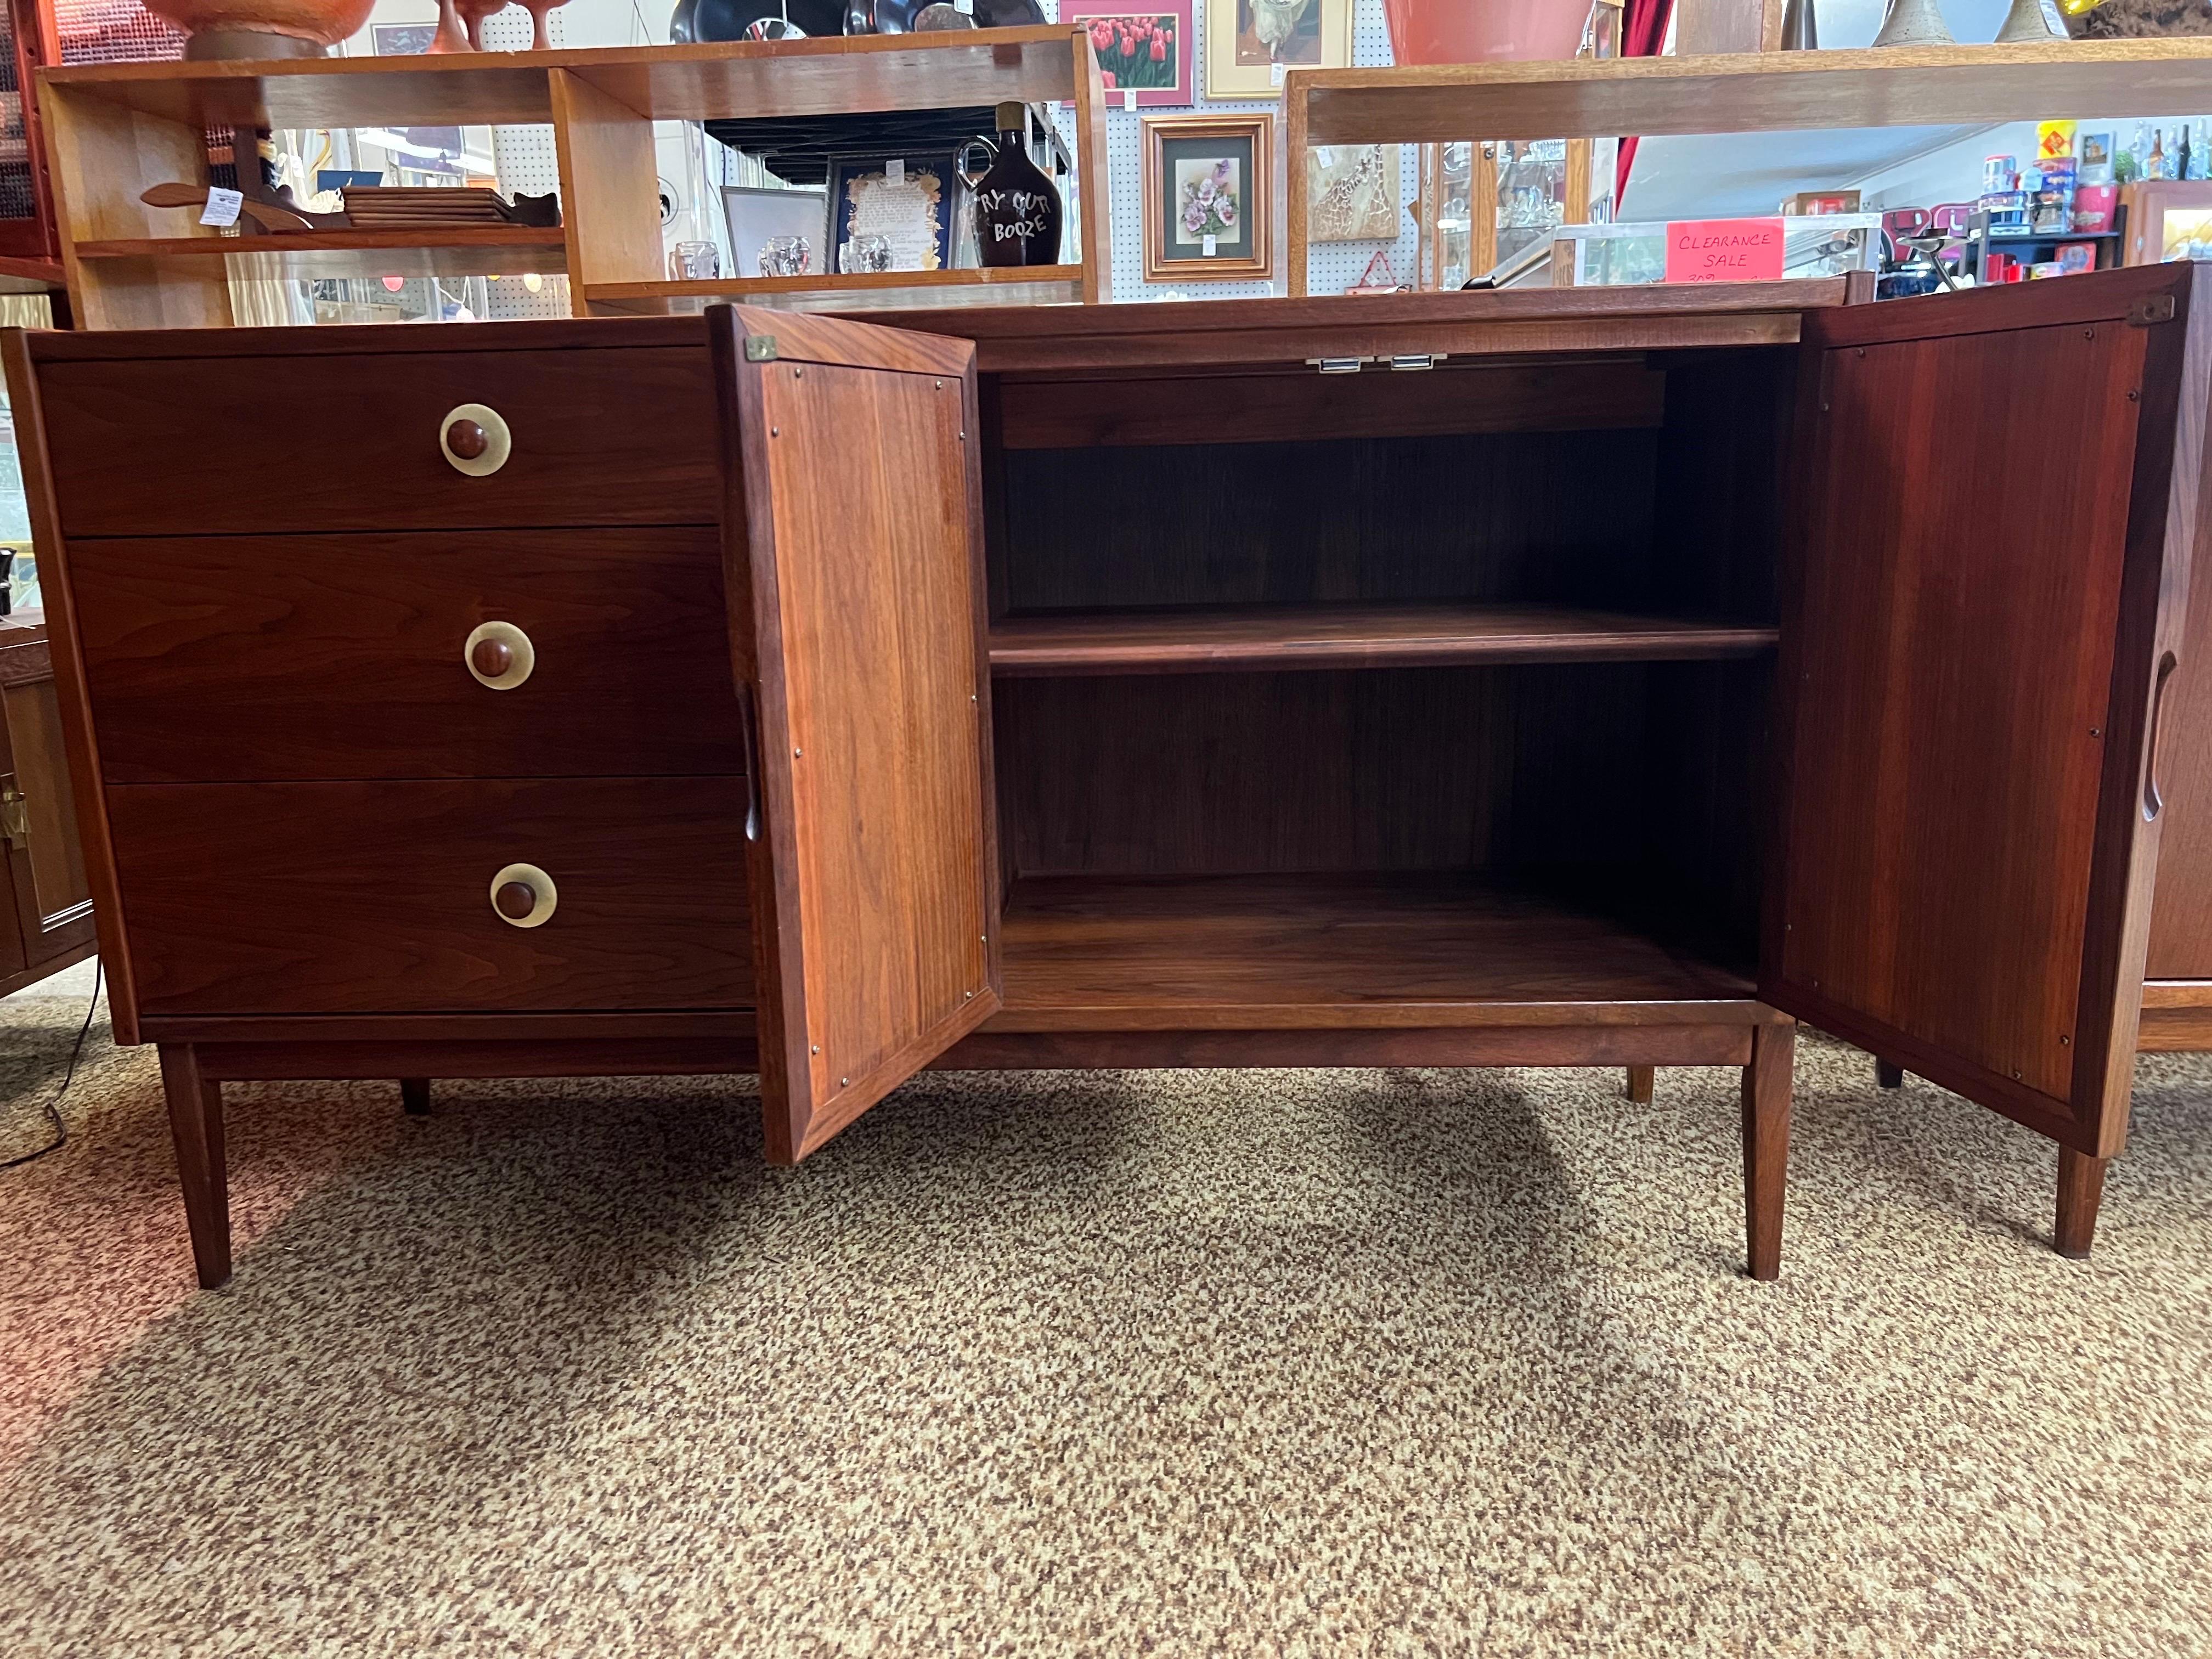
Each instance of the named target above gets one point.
<point>1571,678</point>
<point>46,903</point>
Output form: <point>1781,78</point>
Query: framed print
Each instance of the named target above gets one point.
<point>1141,49</point>
<point>1352,193</point>
<point>1208,186</point>
<point>1250,44</point>
<point>756,215</point>
<point>907,200</point>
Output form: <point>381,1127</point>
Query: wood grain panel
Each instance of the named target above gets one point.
<point>52,890</point>
<point>266,657</point>
<point>1954,638</point>
<point>1376,403</point>
<point>874,872</point>
<point>601,437</point>
<point>1688,1043</point>
<point>332,898</point>
<point>1513,516</point>
<point>1240,953</point>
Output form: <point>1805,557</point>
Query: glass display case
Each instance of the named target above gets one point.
<point>1629,255</point>
<point>1484,204</point>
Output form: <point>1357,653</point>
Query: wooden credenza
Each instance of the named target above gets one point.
<point>46,902</point>
<point>1569,678</point>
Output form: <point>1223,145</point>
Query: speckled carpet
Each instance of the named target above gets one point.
<point>1290,1363</point>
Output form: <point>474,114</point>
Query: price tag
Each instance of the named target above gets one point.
<point>965,7</point>
<point>895,173</point>
<point>222,206</point>
<point>1275,73</point>
<point>1129,99</point>
<point>1208,246</point>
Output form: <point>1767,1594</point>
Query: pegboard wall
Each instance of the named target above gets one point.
<point>525,159</point>
<point>1335,266</point>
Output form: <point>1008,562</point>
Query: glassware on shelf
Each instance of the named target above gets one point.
<point>694,262</point>
<point>867,253</point>
<point>787,256</point>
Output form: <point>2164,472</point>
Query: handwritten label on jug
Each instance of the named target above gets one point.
<point>1724,250</point>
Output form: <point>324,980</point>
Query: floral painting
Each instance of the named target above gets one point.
<point>1144,51</point>
<point>1208,191</point>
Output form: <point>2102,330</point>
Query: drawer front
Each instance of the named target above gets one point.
<point>209,445</point>
<point>268,657</point>
<point>341,898</point>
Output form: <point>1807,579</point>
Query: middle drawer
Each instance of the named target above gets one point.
<point>272,658</point>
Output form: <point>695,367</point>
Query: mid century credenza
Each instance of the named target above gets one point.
<point>1604,678</point>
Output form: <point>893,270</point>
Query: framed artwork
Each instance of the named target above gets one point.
<point>402,39</point>
<point>754,215</point>
<point>907,200</point>
<point>1141,49</point>
<point>2167,220</point>
<point>1352,193</point>
<point>1250,44</point>
<point>1208,184</point>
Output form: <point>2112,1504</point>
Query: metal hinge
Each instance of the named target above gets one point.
<point>15,817</point>
<point>1417,360</point>
<point>2151,308</point>
<point>760,348</point>
<point>1338,365</point>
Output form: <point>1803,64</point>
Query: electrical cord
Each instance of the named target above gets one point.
<point>53,1108</point>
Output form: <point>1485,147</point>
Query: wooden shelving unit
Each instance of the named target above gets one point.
<point>1037,284</point>
<point>112,129</point>
<point>1735,92</point>
<point>1214,639</point>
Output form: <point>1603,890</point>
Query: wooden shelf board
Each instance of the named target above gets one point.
<point>42,273</point>
<point>447,251</point>
<point>739,288</point>
<point>1264,637</point>
<point>1758,92</point>
<point>1102,953</point>
<point>682,82</point>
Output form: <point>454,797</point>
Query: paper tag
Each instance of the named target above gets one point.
<point>1724,250</point>
<point>1275,73</point>
<point>222,206</point>
<point>895,173</point>
<point>1208,247</point>
<point>1129,99</point>
<point>965,7</point>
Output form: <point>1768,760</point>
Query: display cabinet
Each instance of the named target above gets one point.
<point>45,903</point>
<point>1241,684</point>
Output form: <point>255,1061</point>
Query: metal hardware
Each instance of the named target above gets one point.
<point>486,433</point>
<point>1415,360</point>
<point>760,348</point>
<point>1337,365</point>
<point>2153,799</point>
<point>15,817</point>
<point>2151,308</point>
<point>749,734</point>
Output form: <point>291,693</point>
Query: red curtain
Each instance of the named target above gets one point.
<point>1643,32</point>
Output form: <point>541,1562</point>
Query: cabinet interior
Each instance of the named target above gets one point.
<point>1465,701</point>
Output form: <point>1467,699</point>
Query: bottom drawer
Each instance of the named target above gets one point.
<point>328,898</point>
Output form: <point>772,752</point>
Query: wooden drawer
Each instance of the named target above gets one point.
<point>351,441</point>
<point>267,657</point>
<point>329,898</point>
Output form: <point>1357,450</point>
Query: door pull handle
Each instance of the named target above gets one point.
<point>2153,800</point>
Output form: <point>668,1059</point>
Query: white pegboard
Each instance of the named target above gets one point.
<point>1334,266</point>
<point>525,159</point>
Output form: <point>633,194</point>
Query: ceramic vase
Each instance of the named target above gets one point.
<point>311,24</point>
<point>1461,32</point>
<point>539,40</point>
<point>2029,20</point>
<point>450,36</point>
<point>1914,23</point>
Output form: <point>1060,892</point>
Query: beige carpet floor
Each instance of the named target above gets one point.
<point>1286,1363</point>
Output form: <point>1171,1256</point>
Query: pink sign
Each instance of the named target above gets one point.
<point>1724,250</point>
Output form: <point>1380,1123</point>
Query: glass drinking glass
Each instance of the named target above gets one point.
<point>868,252</point>
<point>694,262</point>
<point>785,256</point>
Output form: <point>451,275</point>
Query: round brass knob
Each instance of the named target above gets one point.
<point>523,896</point>
<point>491,657</point>
<point>515,900</point>
<point>467,439</point>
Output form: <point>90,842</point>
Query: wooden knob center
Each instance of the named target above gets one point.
<point>467,439</point>
<point>515,900</point>
<point>491,657</point>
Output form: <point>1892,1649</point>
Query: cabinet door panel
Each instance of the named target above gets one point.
<point>53,897</point>
<point>1978,627</point>
<point>854,533</point>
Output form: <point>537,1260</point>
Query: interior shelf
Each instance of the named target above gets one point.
<point>1028,283</point>
<point>1256,637</point>
<point>1258,952</point>
<point>446,251</point>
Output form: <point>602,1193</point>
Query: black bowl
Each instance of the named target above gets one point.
<point>728,20</point>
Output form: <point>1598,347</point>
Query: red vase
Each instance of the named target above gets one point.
<point>1470,31</point>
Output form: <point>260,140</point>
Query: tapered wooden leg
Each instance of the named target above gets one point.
<point>196,1125</point>
<point>2080,1190</point>
<point>414,1094</point>
<point>1640,1081</point>
<point>1889,1074</point>
<point>1766,1143</point>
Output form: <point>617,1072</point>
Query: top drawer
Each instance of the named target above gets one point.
<point>620,435</point>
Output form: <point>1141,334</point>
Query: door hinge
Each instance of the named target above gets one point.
<point>1417,360</point>
<point>760,348</point>
<point>15,817</point>
<point>1338,365</point>
<point>2151,308</point>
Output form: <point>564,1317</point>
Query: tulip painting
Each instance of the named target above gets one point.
<point>1146,53</point>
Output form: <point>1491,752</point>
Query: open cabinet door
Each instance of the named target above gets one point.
<point>853,553</point>
<point>1993,505</point>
